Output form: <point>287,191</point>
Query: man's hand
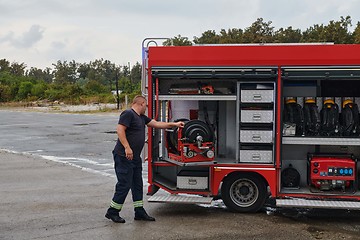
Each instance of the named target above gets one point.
<point>129,153</point>
<point>179,124</point>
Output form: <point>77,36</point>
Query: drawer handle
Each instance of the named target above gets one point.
<point>257,97</point>
<point>192,181</point>
<point>257,117</point>
<point>256,138</point>
<point>256,157</point>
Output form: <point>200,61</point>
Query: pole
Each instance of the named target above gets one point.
<point>117,90</point>
<point>131,84</point>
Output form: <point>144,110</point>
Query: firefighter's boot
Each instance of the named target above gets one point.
<point>140,214</point>
<point>113,214</point>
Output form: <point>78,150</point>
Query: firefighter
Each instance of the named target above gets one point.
<point>128,163</point>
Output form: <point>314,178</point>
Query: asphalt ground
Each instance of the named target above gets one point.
<point>42,199</point>
<point>57,179</point>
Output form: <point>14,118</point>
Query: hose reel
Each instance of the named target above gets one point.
<point>193,141</point>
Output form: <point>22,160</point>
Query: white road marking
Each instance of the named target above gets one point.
<point>69,161</point>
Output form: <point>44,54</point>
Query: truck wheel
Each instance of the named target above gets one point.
<point>244,193</point>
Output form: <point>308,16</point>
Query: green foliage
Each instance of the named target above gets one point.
<point>259,32</point>
<point>24,90</point>
<point>234,35</point>
<point>136,73</point>
<point>356,33</point>
<point>207,37</point>
<point>125,85</point>
<point>94,87</point>
<point>288,35</point>
<point>177,41</point>
<point>38,90</point>
<point>55,92</point>
<point>65,72</point>
<point>4,65</point>
<point>262,31</point>
<point>5,93</point>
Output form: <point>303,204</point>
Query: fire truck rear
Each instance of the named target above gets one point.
<point>261,122</point>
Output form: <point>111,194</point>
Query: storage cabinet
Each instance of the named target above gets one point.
<point>256,124</point>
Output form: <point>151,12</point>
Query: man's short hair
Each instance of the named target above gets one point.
<point>138,99</point>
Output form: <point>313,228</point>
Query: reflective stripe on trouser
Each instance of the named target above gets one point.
<point>138,204</point>
<point>129,176</point>
<point>116,205</point>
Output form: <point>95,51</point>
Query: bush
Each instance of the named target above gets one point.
<point>94,87</point>
<point>38,90</point>
<point>24,90</point>
<point>5,93</point>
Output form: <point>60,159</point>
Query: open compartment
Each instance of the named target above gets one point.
<point>210,119</point>
<point>320,137</point>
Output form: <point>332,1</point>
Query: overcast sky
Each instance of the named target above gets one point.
<point>41,32</point>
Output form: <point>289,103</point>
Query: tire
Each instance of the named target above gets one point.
<point>244,192</point>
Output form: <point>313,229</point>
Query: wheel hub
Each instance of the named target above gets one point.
<point>244,192</point>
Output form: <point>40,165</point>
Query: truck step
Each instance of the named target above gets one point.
<point>302,203</point>
<point>175,198</point>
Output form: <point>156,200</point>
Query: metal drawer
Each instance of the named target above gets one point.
<point>256,156</point>
<point>256,136</point>
<point>257,116</point>
<point>192,182</point>
<point>258,96</point>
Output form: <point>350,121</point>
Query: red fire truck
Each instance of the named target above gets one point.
<point>267,121</point>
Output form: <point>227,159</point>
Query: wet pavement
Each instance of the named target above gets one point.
<point>56,181</point>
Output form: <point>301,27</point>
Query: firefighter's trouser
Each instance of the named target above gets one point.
<point>129,176</point>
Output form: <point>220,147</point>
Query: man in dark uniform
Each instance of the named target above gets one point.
<point>128,163</point>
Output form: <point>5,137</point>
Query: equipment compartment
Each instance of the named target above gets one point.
<point>256,156</point>
<point>193,180</point>
<point>326,134</point>
<point>256,116</point>
<point>256,136</point>
<point>257,96</point>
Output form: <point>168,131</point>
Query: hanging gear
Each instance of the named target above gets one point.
<point>311,117</point>
<point>329,118</point>
<point>293,114</point>
<point>350,118</point>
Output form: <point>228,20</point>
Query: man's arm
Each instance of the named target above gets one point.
<point>122,137</point>
<point>155,124</point>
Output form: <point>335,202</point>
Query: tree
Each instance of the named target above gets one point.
<point>288,35</point>
<point>336,32</point>
<point>65,72</point>
<point>94,87</point>
<point>356,33</point>
<point>234,35</point>
<point>40,75</point>
<point>24,90</point>
<point>136,73</point>
<point>207,37</point>
<point>109,70</point>
<point>5,93</point>
<point>17,69</point>
<point>125,85</point>
<point>178,41</point>
<point>259,32</point>
<point>38,90</point>
<point>4,65</point>
<point>314,33</point>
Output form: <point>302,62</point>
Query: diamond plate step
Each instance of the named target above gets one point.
<point>174,198</point>
<point>302,203</point>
